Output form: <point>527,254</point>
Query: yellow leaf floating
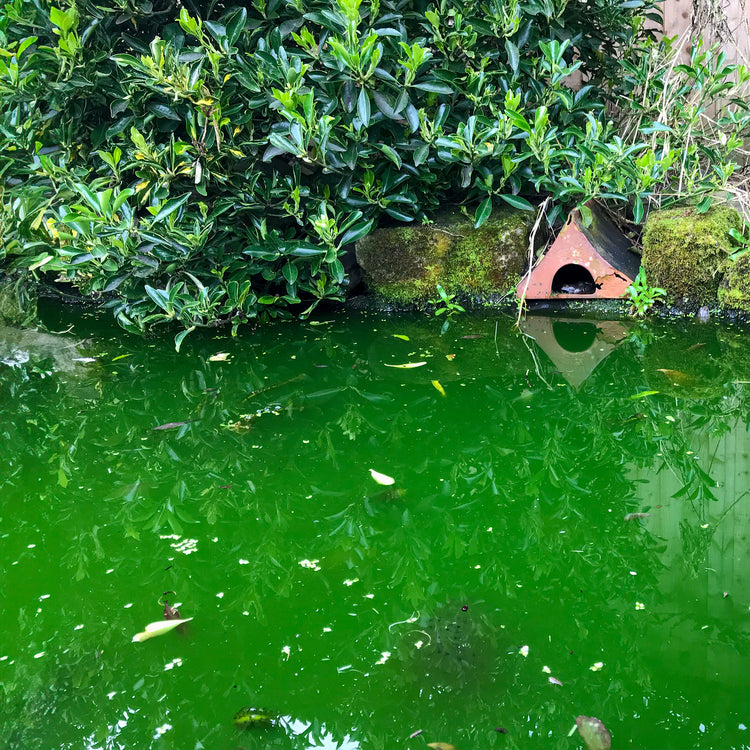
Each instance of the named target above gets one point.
<point>158,628</point>
<point>382,478</point>
<point>408,365</point>
<point>439,387</point>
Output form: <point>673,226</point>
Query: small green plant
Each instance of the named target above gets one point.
<point>445,306</point>
<point>642,296</point>
<point>741,240</point>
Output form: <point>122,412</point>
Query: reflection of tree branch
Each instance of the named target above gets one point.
<point>534,358</point>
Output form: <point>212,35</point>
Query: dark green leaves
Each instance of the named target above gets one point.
<point>213,168</point>
<point>169,207</point>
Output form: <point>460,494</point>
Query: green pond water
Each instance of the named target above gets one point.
<point>498,589</point>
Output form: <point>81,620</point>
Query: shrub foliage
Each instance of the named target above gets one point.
<point>208,164</point>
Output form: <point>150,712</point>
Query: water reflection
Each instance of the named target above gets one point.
<point>500,558</point>
<point>576,347</point>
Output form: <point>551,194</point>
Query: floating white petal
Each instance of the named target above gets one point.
<point>382,478</point>
<point>158,628</point>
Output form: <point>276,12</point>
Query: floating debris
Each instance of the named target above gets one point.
<point>172,425</point>
<point>170,612</point>
<point>593,733</point>
<point>311,564</point>
<point>382,478</point>
<point>407,365</point>
<point>161,627</point>
<point>254,718</point>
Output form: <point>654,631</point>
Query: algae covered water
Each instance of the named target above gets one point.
<point>384,536</point>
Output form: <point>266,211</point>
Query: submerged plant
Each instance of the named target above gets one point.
<point>642,296</point>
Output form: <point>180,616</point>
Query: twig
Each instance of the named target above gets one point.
<point>445,231</point>
<point>540,213</point>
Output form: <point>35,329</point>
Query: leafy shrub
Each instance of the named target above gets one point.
<point>210,166</point>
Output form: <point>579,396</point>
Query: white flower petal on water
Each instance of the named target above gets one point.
<point>158,628</point>
<point>382,478</point>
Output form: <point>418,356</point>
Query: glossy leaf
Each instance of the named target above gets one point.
<point>483,212</point>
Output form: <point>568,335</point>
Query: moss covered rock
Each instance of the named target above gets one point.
<point>734,291</point>
<point>404,264</point>
<point>684,251</point>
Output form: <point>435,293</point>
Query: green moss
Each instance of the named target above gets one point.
<point>684,251</point>
<point>404,264</point>
<point>734,291</point>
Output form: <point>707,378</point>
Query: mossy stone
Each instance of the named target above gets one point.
<point>684,251</point>
<point>734,291</point>
<point>404,264</point>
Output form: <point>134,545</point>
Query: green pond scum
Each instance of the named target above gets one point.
<point>566,535</point>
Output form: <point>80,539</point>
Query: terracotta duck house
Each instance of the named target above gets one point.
<point>594,262</point>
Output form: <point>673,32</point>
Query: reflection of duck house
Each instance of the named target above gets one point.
<point>593,262</point>
<point>576,347</point>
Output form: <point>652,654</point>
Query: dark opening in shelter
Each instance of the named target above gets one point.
<point>574,336</point>
<point>584,261</point>
<point>573,279</point>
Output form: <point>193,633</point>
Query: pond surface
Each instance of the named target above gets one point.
<point>500,587</point>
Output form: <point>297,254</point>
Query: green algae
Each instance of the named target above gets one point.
<point>404,264</point>
<point>684,251</point>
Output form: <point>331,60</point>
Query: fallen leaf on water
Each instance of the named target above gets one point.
<point>441,746</point>
<point>643,394</point>
<point>439,388</point>
<point>382,478</point>
<point>408,365</point>
<point>400,336</point>
<point>634,516</point>
<point>675,376</point>
<point>593,732</point>
<point>172,425</point>
<point>219,357</point>
<point>158,628</point>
